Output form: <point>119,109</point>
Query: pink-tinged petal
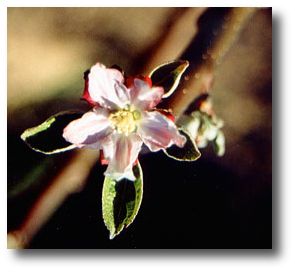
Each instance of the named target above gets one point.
<point>122,93</point>
<point>159,132</point>
<point>144,96</point>
<point>121,151</point>
<point>129,82</point>
<point>90,130</point>
<point>86,95</point>
<point>102,159</point>
<point>168,114</point>
<point>105,87</point>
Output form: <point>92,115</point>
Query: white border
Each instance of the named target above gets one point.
<point>283,260</point>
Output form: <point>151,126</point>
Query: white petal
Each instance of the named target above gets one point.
<point>122,93</point>
<point>106,87</point>
<point>159,132</point>
<point>121,151</point>
<point>145,97</point>
<point>89,130</point>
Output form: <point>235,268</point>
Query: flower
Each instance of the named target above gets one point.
<point>123,117</point>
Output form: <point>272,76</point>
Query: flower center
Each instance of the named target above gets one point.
<point>125,121</point>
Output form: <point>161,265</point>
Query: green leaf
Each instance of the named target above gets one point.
<point>168,75</point>
<point>189,152</point>
<point>47,137</point>
<point>219,144</point>
<point>121,201</point>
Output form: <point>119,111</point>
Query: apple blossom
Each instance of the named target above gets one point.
<point>123,117</point>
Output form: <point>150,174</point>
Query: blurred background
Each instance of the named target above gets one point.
<point>215,202</point>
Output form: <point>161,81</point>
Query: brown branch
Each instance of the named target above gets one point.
<point>177,37</point>
<point>219,29</point>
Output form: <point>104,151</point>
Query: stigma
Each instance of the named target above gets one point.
<point>125,120</point>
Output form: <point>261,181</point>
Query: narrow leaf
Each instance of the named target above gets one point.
<point>189,152</point>
<point>121,201</point>
<point>47,137</point>
<point>168,75</point>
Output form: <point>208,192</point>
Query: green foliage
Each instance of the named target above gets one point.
<point>121,201</point>
<point>168,75</point>
<point>189,152</point>
<point>47,137</point>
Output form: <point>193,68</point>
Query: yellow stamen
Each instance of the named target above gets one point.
<point>125,121</point>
